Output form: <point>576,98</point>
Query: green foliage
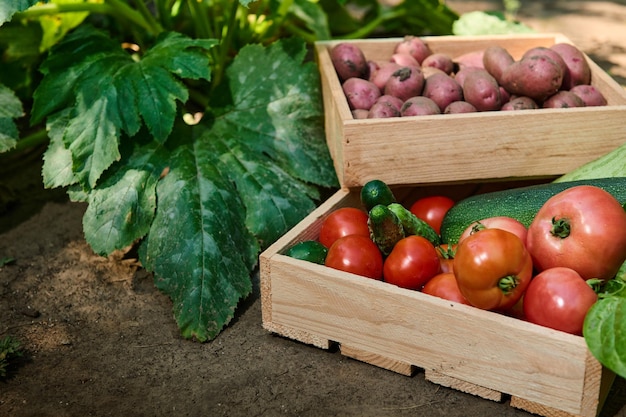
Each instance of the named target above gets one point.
<point>10,349</point>
<point>487,23</point>
<point>605,325</point>
<point>114,85</point>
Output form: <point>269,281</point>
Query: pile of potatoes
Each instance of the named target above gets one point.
<point>416,81</point>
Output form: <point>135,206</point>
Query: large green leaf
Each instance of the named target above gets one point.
<point>605,332</point>
<point>9,7</point>
<point>198,245</point>
<point>10,108</point>
<point>272,141</point>
<point>109,92</point>
<point>122,207</point>
<point>245,180</point>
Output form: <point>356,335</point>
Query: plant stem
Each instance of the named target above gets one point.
<point>36,138</point>
<point>368,28</point>
<point>111,7</point>
<point>147,16</point>
<point>226,42</point>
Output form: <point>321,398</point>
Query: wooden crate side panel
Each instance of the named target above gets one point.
<point>482,348</point>
<point>336,108</point>
<point>307,229</point>
<point>502,146</point>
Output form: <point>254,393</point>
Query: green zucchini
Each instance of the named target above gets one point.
<point>376,192</point>
<point>413,225</point>
<point>385,228</point>
<point>520,203</point>
<point>612,164</point>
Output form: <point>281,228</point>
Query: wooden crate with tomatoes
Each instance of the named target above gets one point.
<point>552,373</point>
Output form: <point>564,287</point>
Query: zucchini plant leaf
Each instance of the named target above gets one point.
<point>110,92</point>
<point>10,108</point>
<point>605,332</point>
<point>271,141</point>
<point>246,179</point>
<point>9,8</point>
<point>198,245</point>
<point>122,206</point>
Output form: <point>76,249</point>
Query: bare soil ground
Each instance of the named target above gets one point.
<point>100,340</point>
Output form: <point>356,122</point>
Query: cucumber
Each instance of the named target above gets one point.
<point>413,225</point>
<point>385,228</point>
<point>612,164</point>
<point>520,203</point>
<point>376,192</point>
<point>309,250</point>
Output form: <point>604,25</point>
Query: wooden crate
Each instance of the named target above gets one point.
<point>474,146</point>
<point>550,373</point>
<point>546,372</point>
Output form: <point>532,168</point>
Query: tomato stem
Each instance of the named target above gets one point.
<point>560,228</point>
<point>507,284</point>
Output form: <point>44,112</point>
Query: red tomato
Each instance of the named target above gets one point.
<point>446,253</point>
<point>411,263</point>
<point>581,228</point>
<point>493,269</point>
<point>444,286</point>
<point>432,210</point>
<point>499,222</point>
<point>559,298</point>
<point>356,254</point>
<point>343,222</point>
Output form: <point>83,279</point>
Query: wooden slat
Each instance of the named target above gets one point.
<point>463,386</point>
<point>377,360</point>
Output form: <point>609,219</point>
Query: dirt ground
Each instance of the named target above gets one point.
<point>100,340</point>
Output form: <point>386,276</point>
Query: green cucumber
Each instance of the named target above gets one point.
<point>308,250</point>
<point>520,203</point>
<point>612,164</point>
<point>413,225</point>
<point>376,192</point>
<point>385,228</point>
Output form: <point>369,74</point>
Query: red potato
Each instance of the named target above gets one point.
<point>470,59</point>
<point>482,91</point>
<point>462,73</point>
<point>428,71</point>
<point>361,94</point>
<point>382,74</point>
<point>441,61</point>
<point>563,100</point>
<point>419,106</point>
<point>459,107</point>
<point>414,46</point>
<point>520,103</point>
<point>385,106</point>
<point>590,95</point>
<point>405,83</point>
<point>496,59</point>
<point>442,89</point>
<point>404,60</point>
<point>504,95</point>
<point>360,113</point>
<point>554,55</point>
<point>373,66</point>
<point>537,77</point>
<point>578,70</point>
<point>349,61</point>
